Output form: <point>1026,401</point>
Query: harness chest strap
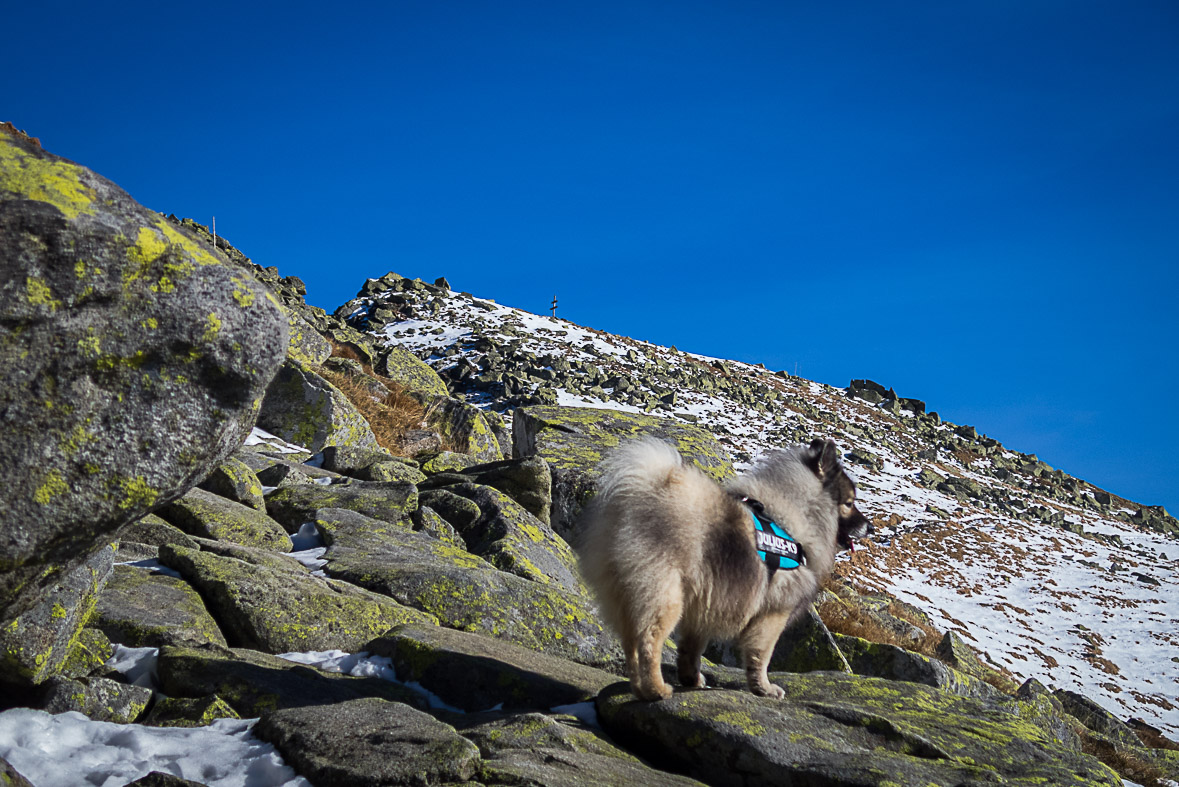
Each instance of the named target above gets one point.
<point>775,547</point>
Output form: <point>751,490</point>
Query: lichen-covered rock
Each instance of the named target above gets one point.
<point>34,646</point>
<point>513,540</point>
<point>1037,705</point>
<point>532,748</point>
<point>101,699</point>
<point>306,345</point>
<point>574,441</point>
<point>446,462</point>
<point>303,408</point>
<point>253,683</point>
<point>878,660</point>
<point>89,651</point>
<point>1097,718</point>
<point>954,651</point>
<point>347,460</point>
<point>463,428</point>
<point>278,611</point>
<point>804,647</point>
<point>427,520</point>
<point>9,777</point>
<point>133,359</point>
<point>234,480</point>
<point>463,591</point>
<point>527,481</point>
<point>153,531</point>
<point>388,502</point>
<point>387,743</point>
<point>188,712</point>
<point>206,515</point>
<point>475,672</point>
<point>410,372</point>
<point>140,609</point>
<point>845,731</point>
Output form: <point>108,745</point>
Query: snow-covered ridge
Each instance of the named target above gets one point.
<point>1022,560</point>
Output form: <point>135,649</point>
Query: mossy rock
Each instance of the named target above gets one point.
<point>206,515</point>
<point>101,699</point>
<point>574,440</point>
<point>35,646</point>
<point>140,609</point>
<point>306,345</point>
<point>303,408</point>
<point>954,651</point>
<point>390,470</point>
<point>410,372</point>
<point>476,672</point>
<point>387,743</point>
<point>878,660</point>
<point>836,729</point>
<point>513,540</point>
<point>446,462</point>
<point>463,428</point>
<point>153,531</point>
<point>234,480</point>
<point>427,520</point>
<point>89,652</point>
<point>253,683</point>
<point>1097,718</point>
<point>133,358</point>
<point>277,611</point>
<point>189,712</point>
<point>462,590</point>
<point>388,502</point>
<point>532,748</point>
<point>528,481</point>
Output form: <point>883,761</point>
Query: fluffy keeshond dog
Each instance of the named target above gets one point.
<point>662,544</point>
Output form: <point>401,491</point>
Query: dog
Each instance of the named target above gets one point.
<point>663,545</point>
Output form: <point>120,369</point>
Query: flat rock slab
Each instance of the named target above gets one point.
<point>140,609</point>
<point>533,748</point>
<point>574,440</point>
<point>296,504</point>
<point>844,731</point>
<point>253,683</point>
<point>206,515</point>
<point>279,611</point>
<point>463,591</point>
<point>476,672</point>
<point>369,743</point>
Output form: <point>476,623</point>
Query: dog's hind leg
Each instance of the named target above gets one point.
<point>650,684</point>
<point>757,646</point>
<point>687,662</point>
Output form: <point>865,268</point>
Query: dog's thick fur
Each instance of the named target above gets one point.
<point>662,544</point>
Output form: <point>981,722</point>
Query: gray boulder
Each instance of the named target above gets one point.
<point>462,590</point>
<point>35,645</point>
<point>475,672</point>
<point>140,608</point>
<point>234,480</point>
<point>389,502</point>
<point>102,699</point>
<point>278,611</point>
<point>206,515</point>
<point>386,744</point>
<point>133,359</point>
<point>878,660</point>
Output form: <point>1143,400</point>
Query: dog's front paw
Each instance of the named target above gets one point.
<point>651,693</point>
<point>697,682</point>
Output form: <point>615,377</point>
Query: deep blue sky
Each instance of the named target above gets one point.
<point>974,202</point>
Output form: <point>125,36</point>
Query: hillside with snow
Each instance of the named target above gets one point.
<point>1049,576</point>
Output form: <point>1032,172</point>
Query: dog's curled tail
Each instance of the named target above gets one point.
<point>639,467</point>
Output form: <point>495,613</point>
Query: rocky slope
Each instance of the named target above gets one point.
<point>446,563</point>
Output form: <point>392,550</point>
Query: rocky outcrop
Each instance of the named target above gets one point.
<point>134,359</point>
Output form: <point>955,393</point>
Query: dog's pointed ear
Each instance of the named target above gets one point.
<point>824,458</point>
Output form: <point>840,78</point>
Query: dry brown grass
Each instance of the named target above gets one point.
<point>390,415</point>
<point>1153,739</point>
<point>854,621</point>
<point>1127,764</point>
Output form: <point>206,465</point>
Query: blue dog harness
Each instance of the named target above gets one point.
<point>775,547</point>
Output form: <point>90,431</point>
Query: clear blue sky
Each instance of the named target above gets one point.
<point>974,202</point>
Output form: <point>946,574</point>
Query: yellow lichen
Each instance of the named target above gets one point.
<point>39,293</point>
<point>43,180</point>
<point>51,487</point>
